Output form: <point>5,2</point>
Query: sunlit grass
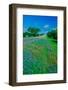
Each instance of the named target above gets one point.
<point>40,56</point>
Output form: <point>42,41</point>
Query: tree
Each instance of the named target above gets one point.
<point>33,31</point>
<point>52,34</point>
<point>26,34</point>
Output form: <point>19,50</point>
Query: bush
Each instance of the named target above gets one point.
<point>52,34</point>
<point>26,34</point>
<point>32,31</point>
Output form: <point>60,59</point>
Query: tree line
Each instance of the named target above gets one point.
<point>52,34</point>
<point>33,32</point>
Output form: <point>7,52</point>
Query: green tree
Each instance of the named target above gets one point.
<point>33,31</point>
<point>52,34</point>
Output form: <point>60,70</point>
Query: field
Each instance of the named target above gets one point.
<point>40,55</point>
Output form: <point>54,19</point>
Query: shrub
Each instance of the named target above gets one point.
<point>52,34</point>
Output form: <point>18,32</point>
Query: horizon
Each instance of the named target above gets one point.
<point>44,23</point>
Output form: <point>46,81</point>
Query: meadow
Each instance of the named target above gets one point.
<point>39,55</point>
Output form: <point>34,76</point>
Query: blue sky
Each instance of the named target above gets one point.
<point>44,23</point>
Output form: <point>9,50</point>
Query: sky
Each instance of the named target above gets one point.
<point>44,23</point>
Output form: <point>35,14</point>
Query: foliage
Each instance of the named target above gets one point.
<point>52,34</point>
<point>31,32</point>
<point>39,56</point>
<point>25,34</point>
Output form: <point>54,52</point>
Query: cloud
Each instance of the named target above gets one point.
<point>46,26</point>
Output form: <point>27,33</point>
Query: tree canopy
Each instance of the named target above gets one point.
<point>52,34</point>
<point>32,31</point>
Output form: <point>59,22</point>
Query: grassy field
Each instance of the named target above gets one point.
<point>40,55</point>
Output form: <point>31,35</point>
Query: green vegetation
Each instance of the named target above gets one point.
<point>52,34</point>
<point>40,55</point>
<point>32,32</point>
<point>40,52</point>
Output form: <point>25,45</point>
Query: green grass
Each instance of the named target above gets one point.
<point>40,55</point>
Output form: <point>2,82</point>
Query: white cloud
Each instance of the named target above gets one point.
<point>46,26</point>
